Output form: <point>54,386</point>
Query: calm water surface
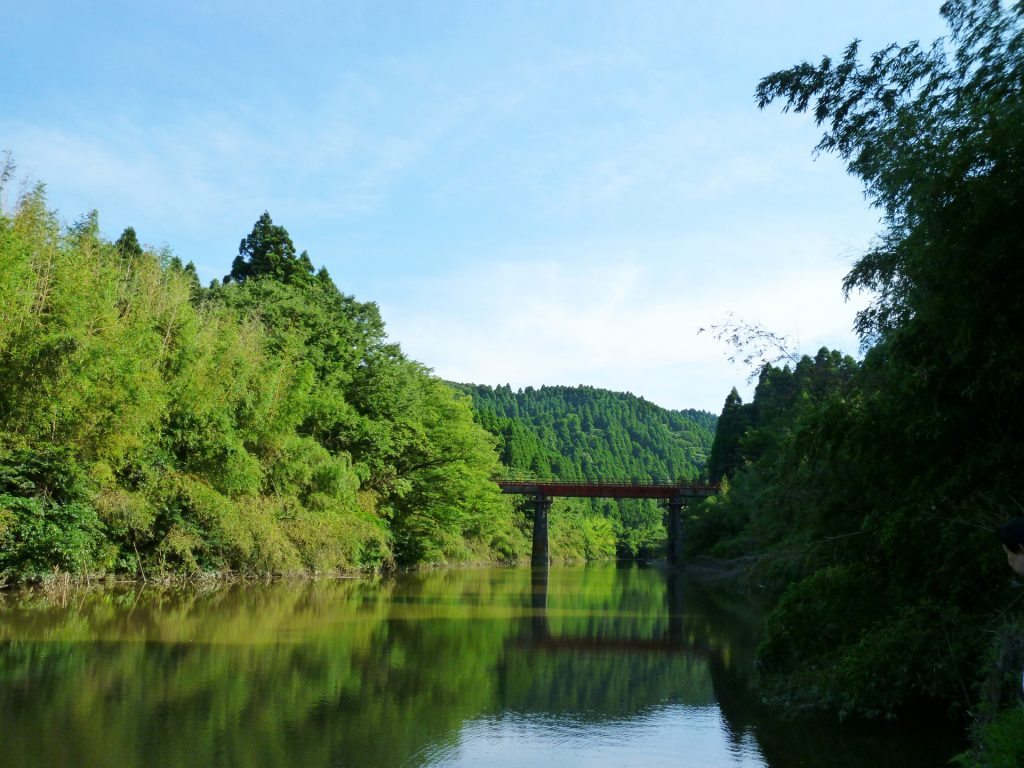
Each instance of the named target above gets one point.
<point>598,665</point>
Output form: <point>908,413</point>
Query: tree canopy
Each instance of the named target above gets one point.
<point>265,425</point>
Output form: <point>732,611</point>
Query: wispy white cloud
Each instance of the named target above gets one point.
<point>193,173</point>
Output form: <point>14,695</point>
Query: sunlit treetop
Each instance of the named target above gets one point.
<point>268,251</point>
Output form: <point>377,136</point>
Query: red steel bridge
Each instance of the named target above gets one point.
<point>675,496</point>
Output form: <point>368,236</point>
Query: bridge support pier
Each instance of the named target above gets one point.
<point>675,529</point>
<point>541,505</point>
<point>676,603</point>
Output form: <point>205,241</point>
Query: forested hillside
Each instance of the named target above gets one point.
<point>871,490</point>
<point>583,433</point>
<point>263,425</point>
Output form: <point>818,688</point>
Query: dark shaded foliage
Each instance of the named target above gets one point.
<point>873,499</point>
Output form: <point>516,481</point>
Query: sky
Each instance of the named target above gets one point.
<point>533,192</point>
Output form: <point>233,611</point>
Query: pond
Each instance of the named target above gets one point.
<point>597,665</point>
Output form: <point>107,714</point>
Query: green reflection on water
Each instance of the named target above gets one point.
<point>381,672</point>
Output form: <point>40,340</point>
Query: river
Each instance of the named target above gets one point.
<point>596,665</point>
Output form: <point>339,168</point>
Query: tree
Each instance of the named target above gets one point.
<point>128,246</point>
<point>268,250</point>
<point>725,456</point>
<point>752,344</point>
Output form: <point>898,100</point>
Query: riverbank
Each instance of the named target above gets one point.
<point>715,572</point>
<point>62,580</point>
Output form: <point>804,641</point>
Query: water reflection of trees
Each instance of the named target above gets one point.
<point>359,673</point>
<point>313,674</point>
<point>794,742</point>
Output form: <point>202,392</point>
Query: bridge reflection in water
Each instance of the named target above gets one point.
<point>673,640</point>
<point>609,647</point>
<point>675,496</point>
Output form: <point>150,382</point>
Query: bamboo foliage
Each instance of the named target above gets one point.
<point>148,425</point>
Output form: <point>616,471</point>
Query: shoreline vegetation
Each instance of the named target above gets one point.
<point>707,569</point>
<point>151,426</point>
<point>871,489</point>
<point>265,424</point>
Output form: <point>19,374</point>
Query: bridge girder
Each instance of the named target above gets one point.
<point>675,496</point>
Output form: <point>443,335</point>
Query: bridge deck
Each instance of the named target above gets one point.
<point>599,490</point>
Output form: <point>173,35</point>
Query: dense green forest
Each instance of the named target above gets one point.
<point>870,490</point>
<point>584,433</point>
<point>263,424</point>
<point>580,433</point>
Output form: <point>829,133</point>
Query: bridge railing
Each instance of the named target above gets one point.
<point>604,483</point>
<point>606,489</point>
<point>625,481</point>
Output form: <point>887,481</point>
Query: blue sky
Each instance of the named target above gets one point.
<point>534,193</point>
